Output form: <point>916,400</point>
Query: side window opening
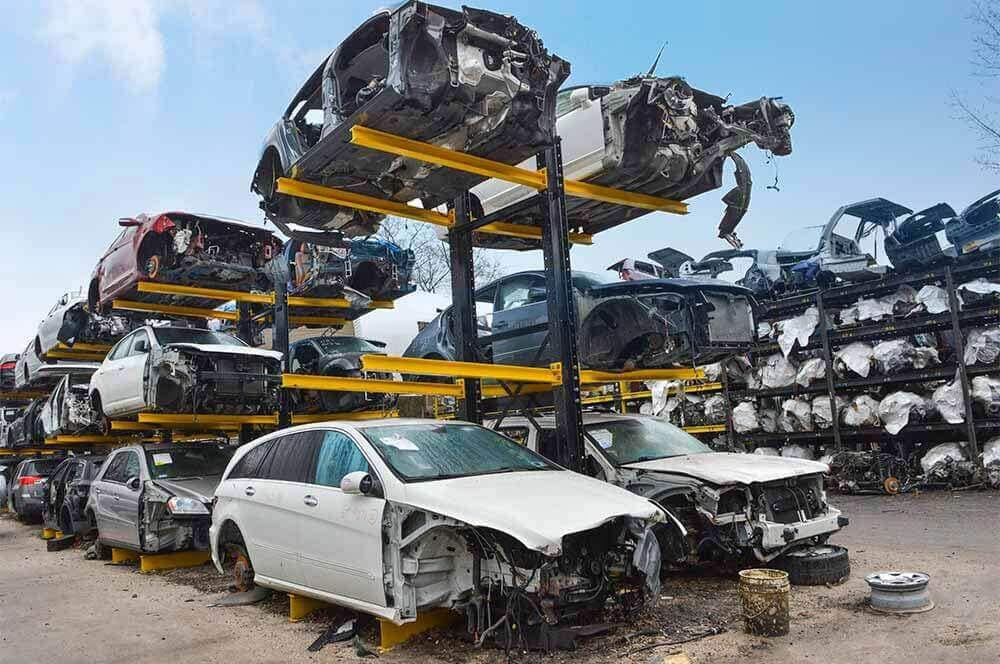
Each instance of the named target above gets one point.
<point>116,469</point>
<point>361,65</point>
<point>518,434</point>
<point>249,465</point>
<point>338,456</point>
<point>290,458</point>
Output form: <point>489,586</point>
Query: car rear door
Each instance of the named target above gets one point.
<point>269,518</point>
<point>107,379</point>
<point>118,263</point>
<point>126,504</point>
<point>520,303</point>
<point>341,534</point>
<point>105,492</point>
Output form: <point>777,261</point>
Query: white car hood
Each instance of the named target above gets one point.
<point>221,349</point>
<point>537,507</point>
<point>731,468</point>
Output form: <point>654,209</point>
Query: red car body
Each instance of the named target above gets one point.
<point>181,248</point>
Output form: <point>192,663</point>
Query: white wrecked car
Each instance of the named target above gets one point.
<point>735,507</point>
<point>396,517</point>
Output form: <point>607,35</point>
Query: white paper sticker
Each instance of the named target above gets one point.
<point>162,459</point>
<point>400,443</point>
<point>603,438</point>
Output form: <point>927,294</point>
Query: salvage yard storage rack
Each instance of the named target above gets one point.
<point>957,321</point>
<point>564,378</point>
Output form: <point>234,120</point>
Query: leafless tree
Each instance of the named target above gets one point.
<point>985,66</point>
<point>432,270</point>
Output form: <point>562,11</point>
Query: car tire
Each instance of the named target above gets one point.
<point>816,565</point>
<point>102,421</point>
<point>66,521</point>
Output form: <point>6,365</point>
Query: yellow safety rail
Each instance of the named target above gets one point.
<point>174,310</point>
<point>253,298</point>
<point>707,428</point>
<point>341,384</point>
<point>419,366</point>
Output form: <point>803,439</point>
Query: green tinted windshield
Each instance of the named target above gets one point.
<point>417,452</point>
<point>643,439</point>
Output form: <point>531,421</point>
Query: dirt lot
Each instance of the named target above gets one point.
<point>59,607</point>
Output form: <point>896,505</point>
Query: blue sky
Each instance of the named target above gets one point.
<point>109,108</point>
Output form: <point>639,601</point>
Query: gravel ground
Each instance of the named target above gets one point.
<point>59,607</point>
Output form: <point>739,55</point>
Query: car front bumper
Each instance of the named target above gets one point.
<point>780,535</point>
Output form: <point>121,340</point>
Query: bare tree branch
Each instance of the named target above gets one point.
<point>432,266</point>
<point>985,17</point>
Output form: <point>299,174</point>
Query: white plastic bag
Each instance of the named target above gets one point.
<point>798,330</point>
<point>812,369</point>
<point>895,410</point>
<point>982,345</point>
<point>715,409</point>
<point>901,355</point>
<point>767,451</point>
<point>861,412</point>
<point>821,410</point>
<point>986,393</point>
<point>948,401</point>
<point>942,452</point>
<point>745,418</point>
<point>768,420</point>
<point>934,299</point>
<point>777,372</point>
<point>797,452</point>
<point>856,357</point>
<point>796,415</point>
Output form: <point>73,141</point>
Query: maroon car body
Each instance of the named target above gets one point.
<point>181,248</point>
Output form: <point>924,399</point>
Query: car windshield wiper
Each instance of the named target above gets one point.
<point>651,457</point>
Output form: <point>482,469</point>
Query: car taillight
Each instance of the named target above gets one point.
<point>28,480</point>
<point>7,365</point>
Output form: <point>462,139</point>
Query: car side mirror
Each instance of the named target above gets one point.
<point>537,294</point>
<point>133,483</point>
<point>127,223</point>
<point>358,482</point>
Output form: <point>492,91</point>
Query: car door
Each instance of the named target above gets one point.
<point>106,380</point>
<point>341,534</point>
<point>118,263</point>
<point>104,494</point>
<point>520,303</point>
<point>126,504</point>
<point>132,371</point>
<point>270,515</point>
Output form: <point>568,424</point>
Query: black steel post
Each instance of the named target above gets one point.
<point>244,325</point>
<point>463,289</point>
<point>963,374</point>
<point>279,342</point>
<point>828,357</point>
<point>562,313</point>
<point>730,431</point>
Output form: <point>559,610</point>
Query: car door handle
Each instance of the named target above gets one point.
<point>116,497</point>
<point>500,326</point>
<point>249,491</point>
<point>310,501</point>
<point>97,491</point>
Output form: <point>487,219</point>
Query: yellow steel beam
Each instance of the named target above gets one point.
<point>206,419</point>
<point>391,634</point>
<point>175,560</point>
<point>384,142</point>
<point>299,607</point>
<point>355,201</point>
<point>174,310</point>
<point>83,440</point>
<point>85,347</point>
<point>625,396</point>
<point>703,387</point>
<point>339,384</point>
<point>591,377</point>
<point>48,533</point>
<point>382,304</point>
<point>311,418</point>
<point>492,391</point>
<point>123,555</point>
<point>206,293</point>
<point>27,395</point>
<point>706,428</point>
<point>328,321</point>
<point>74,355</point>
<point>419,366</point>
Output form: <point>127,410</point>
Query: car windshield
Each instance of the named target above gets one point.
<point>641,439</point>
<point>346,345</point>
<point>802,240</point>
<point>419,452</point>
<point>186,462</point>
<point>585,280</point>
<point>41,468</point>
<point>183,335</point>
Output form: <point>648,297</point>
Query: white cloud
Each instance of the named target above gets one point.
<point>125,34</point>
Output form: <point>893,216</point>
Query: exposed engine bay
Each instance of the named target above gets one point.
<point>510,594</point>
<point>79,325</point>
<point>180,378</point>
<point>160,530</point>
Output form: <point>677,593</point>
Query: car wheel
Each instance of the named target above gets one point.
<point>241,571</point>
<point>65,521</point>
<point>151,266</point>
<point>816,565</point>
<point>102,421</point>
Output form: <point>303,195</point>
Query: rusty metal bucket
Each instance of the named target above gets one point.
<point>764,599</point>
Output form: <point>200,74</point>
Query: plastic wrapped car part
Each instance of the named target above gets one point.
<point>947,463</point>
<point>660,390</point>
<point>901,355</point>
<point>986,395</point>
<point>897,408</point>
<point>978,292</point>
<point>821,410</point>
<point>715,408</point>
<point>713,371</point>
<point>991,462</point>
<point>862,411</point>
<point>763,331</point>
<point>767,451</point>
<point>811,370</point>
<point>900,303</point>
<point>797,452</point>
<point>745,418</point>
<point>934,299</point>
<point>768,420</point>
<point>796,415</point>
<point>856,357</point>
<point>874,309</point>
<point>982,345</point>
<point>777,372</point>
<point>798,330</point>
<point>948,401</point>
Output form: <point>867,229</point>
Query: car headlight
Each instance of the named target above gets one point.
<point>182,506</point>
